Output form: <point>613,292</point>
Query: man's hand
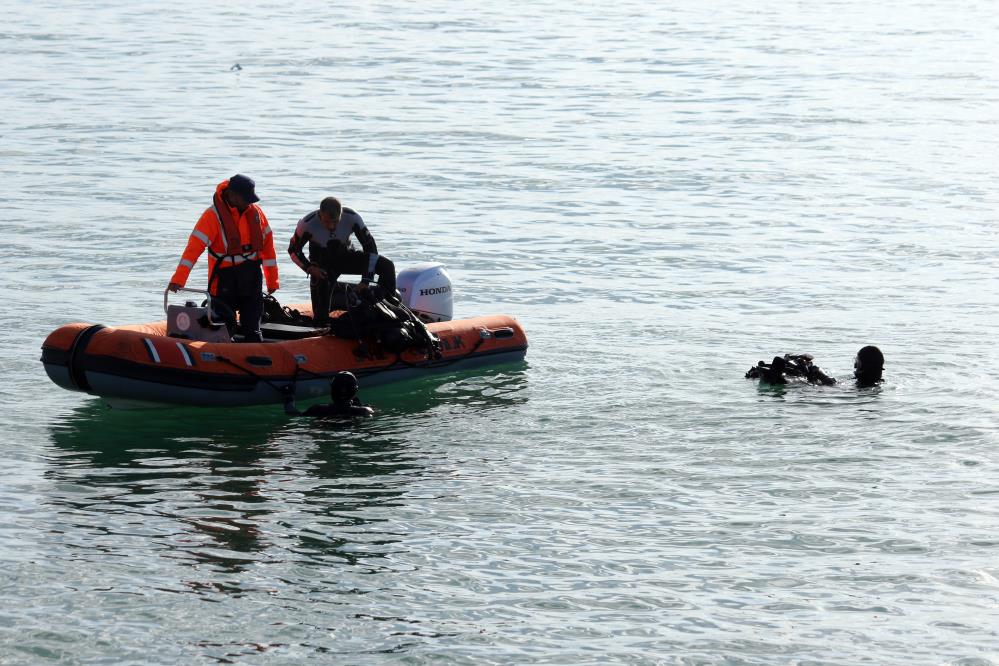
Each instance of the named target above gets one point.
<point>316,272</point>
<point>173,286</point>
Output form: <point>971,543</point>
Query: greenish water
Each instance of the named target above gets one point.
<point>662,196</point>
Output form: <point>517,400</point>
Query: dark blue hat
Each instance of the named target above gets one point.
<point>244,186</point>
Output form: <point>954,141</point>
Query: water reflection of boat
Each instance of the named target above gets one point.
<point>205,490</point>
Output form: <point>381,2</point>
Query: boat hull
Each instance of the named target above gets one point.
<point>140,365</point>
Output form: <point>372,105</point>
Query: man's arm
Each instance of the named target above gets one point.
<point>267,255</point>
<point>367,241</point>
<point>201,237</point>
<point>364,236</point>
<point>289,402</point>
<point>296,250</point>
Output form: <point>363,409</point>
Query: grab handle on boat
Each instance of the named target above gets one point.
<point>497,333</point>
<point>208,298</point>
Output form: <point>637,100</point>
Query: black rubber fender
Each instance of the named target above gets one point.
<point>74,362</point>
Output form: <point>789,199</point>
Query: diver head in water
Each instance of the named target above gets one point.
<point>343,396</point>
<point>343,388</point>
<point>868,366</point>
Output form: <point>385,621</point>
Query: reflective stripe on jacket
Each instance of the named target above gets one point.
<point>230,238</point>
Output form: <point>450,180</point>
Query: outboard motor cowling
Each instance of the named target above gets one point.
<point>426,290</point>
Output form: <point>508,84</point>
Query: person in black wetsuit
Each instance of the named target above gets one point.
<point>345,403</point>
<point>327,232</point>
<point>868,367</point>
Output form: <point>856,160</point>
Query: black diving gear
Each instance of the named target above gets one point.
<point>386,322</point>
<point>790,366</point>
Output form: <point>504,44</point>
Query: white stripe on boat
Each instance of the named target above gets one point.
<point>187,356</point>
<point>152,349</point>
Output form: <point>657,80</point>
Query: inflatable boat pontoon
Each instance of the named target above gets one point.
<point>182,362</point>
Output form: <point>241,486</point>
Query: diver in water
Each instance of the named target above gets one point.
<point>868,367</point>
<point>345,403</point>
<point>796,366</point>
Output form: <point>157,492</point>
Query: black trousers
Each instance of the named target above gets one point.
<point>241,288</point>
<point>348,262</point>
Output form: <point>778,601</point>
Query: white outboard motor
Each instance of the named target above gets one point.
<point>426,290</point>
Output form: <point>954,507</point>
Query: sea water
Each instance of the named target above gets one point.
<point>662,194</point>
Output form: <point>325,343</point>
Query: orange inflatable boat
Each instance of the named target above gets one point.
<point>146,364</point>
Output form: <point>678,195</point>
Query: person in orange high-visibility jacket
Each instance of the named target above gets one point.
<point>239,241</point>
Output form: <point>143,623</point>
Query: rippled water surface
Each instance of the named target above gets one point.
<point>661,194</point>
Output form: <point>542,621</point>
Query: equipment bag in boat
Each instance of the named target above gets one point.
<point>392,325</point>
<point>275,313</point>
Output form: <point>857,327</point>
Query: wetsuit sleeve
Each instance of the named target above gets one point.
<point>366,239</point>
<point>367,243</point>
<point>296,248</point>
<point>338,411</point>
<point>203,235</point>
<point>267,254</point>
<point>289,406</point>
